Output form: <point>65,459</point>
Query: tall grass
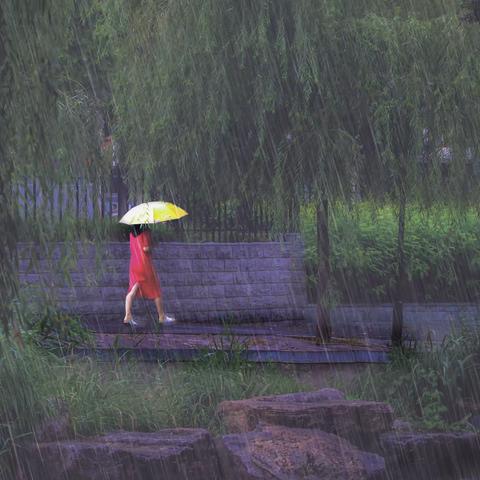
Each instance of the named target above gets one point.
<point>126,395</point>
<point>436,387</point>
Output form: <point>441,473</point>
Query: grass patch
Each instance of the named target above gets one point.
<point>122,395</point>
<point>436,388</point>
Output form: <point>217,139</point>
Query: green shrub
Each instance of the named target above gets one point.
<point>442,246</point>
<point>437,388</point>
<point>45,325</point>
<point>58,332</point>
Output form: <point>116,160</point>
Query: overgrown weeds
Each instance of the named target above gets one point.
<point>122,395</point>
<point>437,387</point>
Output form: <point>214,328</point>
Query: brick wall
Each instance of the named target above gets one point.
<point>203,281</point>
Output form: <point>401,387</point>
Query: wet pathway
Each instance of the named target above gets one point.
<point>283,342</point>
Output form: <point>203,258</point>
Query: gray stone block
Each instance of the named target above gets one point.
<point>268,289</point>
<point>195,305</point>
<point>173,266</point>
<point>233,265</point>
<point>201,291</point>
<point>208,265</point>
<point>238,290</point>
<point>233,303</point>
<point>240,250</point>
<point>216,291</point>
<point>274,250</point>
<point>188,251</point>
<point>178,292</point>
<point>256,251</point>
<point>214,278</point>
<point>193,278</point>
<point>251,264</point>
<point>220,253</point>
<point>241,277</point>
<point>265,276</point>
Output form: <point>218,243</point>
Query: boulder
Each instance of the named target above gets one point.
<point>305,397</point>
<point>276,452</point>
<point>427,453</point>
<point>174,454</point>
<point>57,427</point>
<point>359,421</point>
<point>402,426</point>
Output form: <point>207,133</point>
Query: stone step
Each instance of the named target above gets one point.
<point>166,346</point>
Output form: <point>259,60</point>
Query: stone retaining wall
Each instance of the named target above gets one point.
<point>203,281</point>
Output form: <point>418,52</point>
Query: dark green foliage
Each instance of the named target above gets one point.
<point>442,247</point>
<point>228,351</point>
<point>438,388</point>
<point>58,332</point>
<point>268,98</point>
<point>48,120</point>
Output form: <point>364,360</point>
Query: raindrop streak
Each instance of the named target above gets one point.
<point>327,153</point>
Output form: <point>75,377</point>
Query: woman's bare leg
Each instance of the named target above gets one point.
<point>128,303</point>
<point>159,305</point>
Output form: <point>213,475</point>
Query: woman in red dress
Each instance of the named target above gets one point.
<point>143,280</point>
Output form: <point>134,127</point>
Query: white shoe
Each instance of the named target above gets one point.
<point>167,319</point>
<point>131,322</point>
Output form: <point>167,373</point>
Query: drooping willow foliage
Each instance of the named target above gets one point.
<point>257,98</point>
<point>246,99</point>
<point>49,125</point>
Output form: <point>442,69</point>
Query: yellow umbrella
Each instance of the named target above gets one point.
<point>152,212</point>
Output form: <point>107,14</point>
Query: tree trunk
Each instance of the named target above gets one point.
<point>8,270</point>
<point>399,295</point>
<point>323,330</point>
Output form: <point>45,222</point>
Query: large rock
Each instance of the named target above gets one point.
<point>57,427</point>
<point>175,454</point>
<point>359,421</point>
<point>274,452</point>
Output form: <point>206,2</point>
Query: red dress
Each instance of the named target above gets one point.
<point>141,267</point>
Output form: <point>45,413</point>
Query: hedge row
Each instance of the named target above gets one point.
<point>442,249</point>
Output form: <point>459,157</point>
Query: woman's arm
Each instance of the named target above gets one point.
<point>147,247</point>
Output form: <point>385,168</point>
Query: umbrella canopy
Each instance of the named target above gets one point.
<point>152,212</point>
